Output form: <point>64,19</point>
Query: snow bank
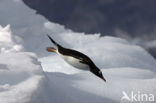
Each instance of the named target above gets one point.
<point>20,76</point>
<point>23,81</point>
<point>84,87</point>
<point>20,73</point>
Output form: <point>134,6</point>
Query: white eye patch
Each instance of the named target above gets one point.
<point>100,72</point>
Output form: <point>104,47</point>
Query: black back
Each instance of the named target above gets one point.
<point>76,54</point>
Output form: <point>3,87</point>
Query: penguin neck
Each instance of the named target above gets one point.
<point>92,66</point>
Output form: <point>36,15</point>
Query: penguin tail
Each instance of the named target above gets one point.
<point>53,41</point>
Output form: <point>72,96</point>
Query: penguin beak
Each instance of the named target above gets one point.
<point>103,79</point>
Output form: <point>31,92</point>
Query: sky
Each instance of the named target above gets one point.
<point>136,17</point>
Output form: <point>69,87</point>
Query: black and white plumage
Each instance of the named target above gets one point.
<point>75,58</point>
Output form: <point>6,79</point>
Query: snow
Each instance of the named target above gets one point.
<point>19,77</point>
<point>29,74</point>
<point>86,88</point>
<point>6,43</point>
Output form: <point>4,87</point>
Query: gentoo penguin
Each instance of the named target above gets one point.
<point>75,58</point>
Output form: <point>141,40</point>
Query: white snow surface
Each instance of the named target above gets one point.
<point>29,74</point>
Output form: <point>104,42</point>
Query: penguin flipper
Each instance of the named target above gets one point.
<point>84,61</point>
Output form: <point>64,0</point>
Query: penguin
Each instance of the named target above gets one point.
<point>76,59</point>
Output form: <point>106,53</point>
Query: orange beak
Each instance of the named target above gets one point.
<point>103,79</point>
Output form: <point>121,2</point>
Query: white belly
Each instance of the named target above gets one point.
<point>74,62</point>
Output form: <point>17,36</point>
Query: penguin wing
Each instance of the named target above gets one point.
<point>84,60</point>
<point>76,54</point>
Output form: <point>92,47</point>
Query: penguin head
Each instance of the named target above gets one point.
<point>101,75</point>
<point>98,73</point>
